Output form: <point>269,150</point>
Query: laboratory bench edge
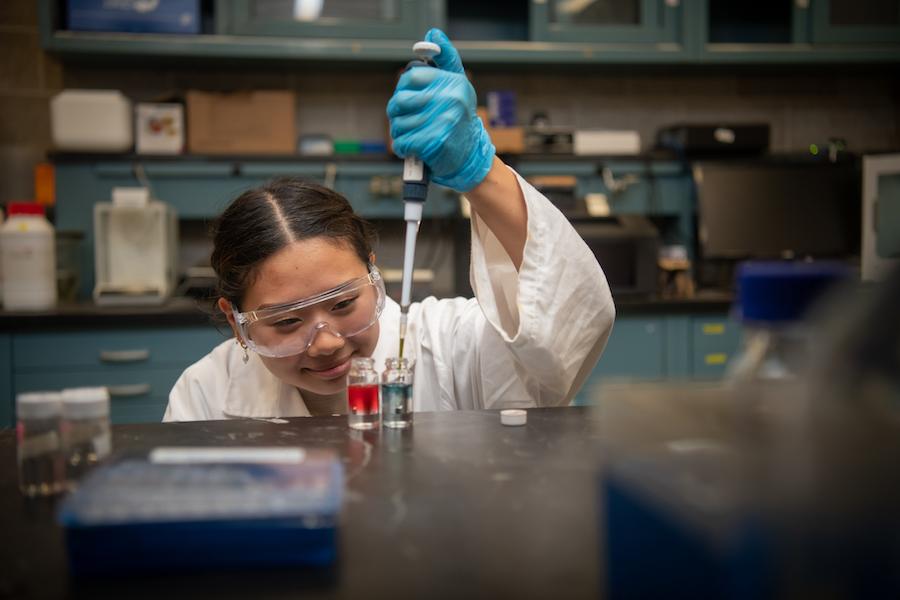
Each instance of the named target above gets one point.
<point>139,352</point>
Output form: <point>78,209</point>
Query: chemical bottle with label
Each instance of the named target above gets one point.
<point>28,251</point>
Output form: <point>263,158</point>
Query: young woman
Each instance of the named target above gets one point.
<point>300,289</point>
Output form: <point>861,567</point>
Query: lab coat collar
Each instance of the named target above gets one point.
<point>253,392</point>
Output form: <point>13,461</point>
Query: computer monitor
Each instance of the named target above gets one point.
<point>777,209</point>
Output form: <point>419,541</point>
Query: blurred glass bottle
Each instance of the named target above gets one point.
<point>362,394</point>
<point>38,447</point>
<point>86,433</point>
<point>774,300</point>
<point>396,393</point>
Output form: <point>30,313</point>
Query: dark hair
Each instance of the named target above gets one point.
<point>262,221</point>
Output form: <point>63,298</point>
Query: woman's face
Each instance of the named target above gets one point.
<point>301,270</point>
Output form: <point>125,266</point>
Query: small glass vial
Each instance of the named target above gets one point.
<point>39,447</point>
<point>396,393</point>
<point>362,394</point>
<point>86,434</point>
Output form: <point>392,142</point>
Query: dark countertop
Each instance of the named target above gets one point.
<point>187,312</point>
<point>459,506</point>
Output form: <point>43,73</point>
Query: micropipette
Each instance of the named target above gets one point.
<point>415,189</point>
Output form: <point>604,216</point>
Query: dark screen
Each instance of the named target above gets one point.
<point>777,210</point>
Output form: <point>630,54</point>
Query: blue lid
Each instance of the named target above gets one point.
<point>783,291</point>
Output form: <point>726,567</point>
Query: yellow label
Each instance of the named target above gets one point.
<point>716,359</point>
<point>713,328</point>
<point>23,226</point>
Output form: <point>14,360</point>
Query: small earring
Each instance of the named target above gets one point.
<point>241,343</point>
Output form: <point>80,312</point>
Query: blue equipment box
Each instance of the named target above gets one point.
<point>137,515</point>
<point>135,16</point>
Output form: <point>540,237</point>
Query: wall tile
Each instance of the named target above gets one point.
<point>25,120</point>
<point>19,61</point>
<point>19,12</point>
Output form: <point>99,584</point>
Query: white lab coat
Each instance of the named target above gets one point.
<point>530,339</point>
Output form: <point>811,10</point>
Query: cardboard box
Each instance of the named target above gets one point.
<point>159,128</point>
<point>507,140</point>
<point>260,122</point>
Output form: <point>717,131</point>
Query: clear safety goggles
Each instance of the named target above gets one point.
<point>289,329</point>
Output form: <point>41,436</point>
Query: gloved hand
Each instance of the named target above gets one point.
<point>432,114</point>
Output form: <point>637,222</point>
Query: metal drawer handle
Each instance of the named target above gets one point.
<point>124,356</point>
<point>128,391</point>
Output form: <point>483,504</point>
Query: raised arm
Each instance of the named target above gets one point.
<point>433,116</point>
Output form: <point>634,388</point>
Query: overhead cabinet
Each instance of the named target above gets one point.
<point>529,32</point>
<point>607,21</point>
<point>380,19</point>
<point>854,21</point>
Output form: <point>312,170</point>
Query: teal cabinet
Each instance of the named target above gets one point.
<point>800,31</point>
<point>854,21</point>
<point>380,32</point>
<point>7,399</point>
<point>139,366</point>
<point>669,347</point>
<point>390,19</point>
<point>632,22</point>
<point>636,349</point>
<point>714,343</point>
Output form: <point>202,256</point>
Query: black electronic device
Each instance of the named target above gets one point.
<point>710,140</point>
<point>627,248</point>
<point>766,209</point>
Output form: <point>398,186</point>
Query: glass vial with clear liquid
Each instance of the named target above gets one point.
<point>362,394</point>
<point>38,444</point>
<point>86,433</point>
<point>397,393</point>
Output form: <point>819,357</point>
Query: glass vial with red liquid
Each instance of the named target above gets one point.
<point>362,394</point>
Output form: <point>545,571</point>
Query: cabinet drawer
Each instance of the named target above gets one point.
<point>714,343</point>
<point>136,395</point>
<point>125,384</point>
<point>114,349</point>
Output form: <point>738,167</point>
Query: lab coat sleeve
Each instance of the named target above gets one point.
<point>555,314</point>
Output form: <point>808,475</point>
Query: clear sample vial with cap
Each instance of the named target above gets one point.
<point>86,433</point>
<point>362,394</point>
<point>396,393</point>
<point>38,444</point>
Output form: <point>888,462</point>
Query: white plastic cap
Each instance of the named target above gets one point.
<point>38,405</point>
<point>426,50</point>
<point>85,403</point>
<point>513,417</point>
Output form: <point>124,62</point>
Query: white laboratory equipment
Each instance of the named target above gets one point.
<point>135,249</point>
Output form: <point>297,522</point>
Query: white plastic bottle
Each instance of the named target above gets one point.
<point>28,249</point>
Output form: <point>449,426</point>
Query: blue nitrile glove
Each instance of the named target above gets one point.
<point>432,115</point>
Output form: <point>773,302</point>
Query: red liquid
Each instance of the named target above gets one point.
<point>363,399</point>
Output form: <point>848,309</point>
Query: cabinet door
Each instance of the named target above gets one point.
<point>854,21</point>
<point>7,401</point>
<point>383,19</point>
<point>881,216</point>
<point>714,341</point>
<point>606,21</point>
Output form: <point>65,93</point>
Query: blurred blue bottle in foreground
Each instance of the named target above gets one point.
<point>782,483</point>
<point>774,301</point>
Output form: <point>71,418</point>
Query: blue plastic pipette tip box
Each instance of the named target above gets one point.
<point>135,516</point>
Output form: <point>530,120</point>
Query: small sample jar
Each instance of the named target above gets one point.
<point>362,394</point>
<point>396,393</point>
<point>86,433</point>
<point>38,444</point>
